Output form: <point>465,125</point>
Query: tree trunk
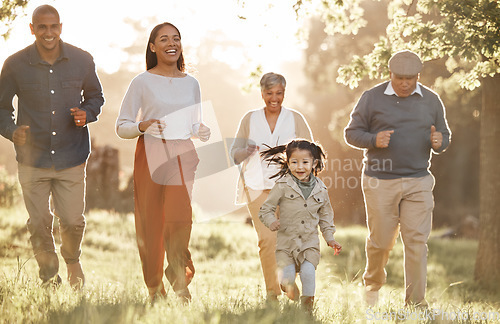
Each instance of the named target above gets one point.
<point>488,256</point>
<point>103,178</point>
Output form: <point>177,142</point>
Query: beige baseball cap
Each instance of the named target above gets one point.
<point>405,63</point>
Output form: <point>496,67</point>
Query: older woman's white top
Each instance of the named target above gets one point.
<point>254,129</point>
<point>176,101</point>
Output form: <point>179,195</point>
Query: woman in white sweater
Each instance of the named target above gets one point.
<point>162,107</point>
<point>260,129</point>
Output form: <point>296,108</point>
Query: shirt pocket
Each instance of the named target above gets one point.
<point>72,92</point>
<point>291,195</point>
<point>317,200</point>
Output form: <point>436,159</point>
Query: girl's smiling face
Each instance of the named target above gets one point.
<point>301,163</point>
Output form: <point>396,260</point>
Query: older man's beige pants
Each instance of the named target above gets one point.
<point>398,205</point>
<point>267,242</point>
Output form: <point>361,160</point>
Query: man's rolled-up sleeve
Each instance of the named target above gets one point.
<point>7,93</point>
<point>92,93</point>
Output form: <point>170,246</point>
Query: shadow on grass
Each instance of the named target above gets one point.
<point>288,313</point>
<point>450,265</point>
<point>86,312</point>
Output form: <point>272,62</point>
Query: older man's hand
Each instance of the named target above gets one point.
<point>436,138</point>
<point>383,138</point>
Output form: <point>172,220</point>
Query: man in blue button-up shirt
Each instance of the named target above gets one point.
<point>58,94</point>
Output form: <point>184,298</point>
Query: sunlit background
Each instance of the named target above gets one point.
<point>224,42</point>
<point>258,32</point>
<point>227,45</point>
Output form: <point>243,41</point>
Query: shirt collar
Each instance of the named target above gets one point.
<point>35,56</point>
<point>390,90</point>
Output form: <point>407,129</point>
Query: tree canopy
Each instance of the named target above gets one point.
<point>9,11</point>
<point>465,33</point>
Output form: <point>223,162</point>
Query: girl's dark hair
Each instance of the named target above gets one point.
<point>151,59</point>
<point>281,155</point>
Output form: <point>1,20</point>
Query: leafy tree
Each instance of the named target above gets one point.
<point>465,35</point>
<point>9,11</point>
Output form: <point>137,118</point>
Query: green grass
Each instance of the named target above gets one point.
<point>228,286</point>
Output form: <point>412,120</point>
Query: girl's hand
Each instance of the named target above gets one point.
<point>275,226</point>
<point>204,133</point>
<point>152,126</point>
<point>336,246</point>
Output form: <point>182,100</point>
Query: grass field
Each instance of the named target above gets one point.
<point>228,285</point>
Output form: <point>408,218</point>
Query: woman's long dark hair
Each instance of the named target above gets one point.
<point>281,155</point>
<point>151,59</point>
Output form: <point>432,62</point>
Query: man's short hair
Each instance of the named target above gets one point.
<point>44,10</point>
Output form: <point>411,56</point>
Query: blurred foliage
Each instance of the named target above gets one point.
<point>466,33</point>
<point>253,80</point>
<point>347,41</point>
<point>331,55</point>
<point>464,36</point>
<point>9,189</point>
<point>9,11</point>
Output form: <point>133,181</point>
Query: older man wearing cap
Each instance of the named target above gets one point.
<point>398,124</point>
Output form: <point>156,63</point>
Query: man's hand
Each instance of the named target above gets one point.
<point>383,138</point>
<point>275,226</point>
<point>79,116</point>
<point>20,135</point>
<point>436,138</point>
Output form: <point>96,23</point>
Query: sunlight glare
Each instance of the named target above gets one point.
<point>260,32</point>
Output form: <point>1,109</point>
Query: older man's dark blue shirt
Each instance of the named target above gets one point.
<point>46,93</point>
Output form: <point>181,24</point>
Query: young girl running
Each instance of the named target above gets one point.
<point>303,205</point>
